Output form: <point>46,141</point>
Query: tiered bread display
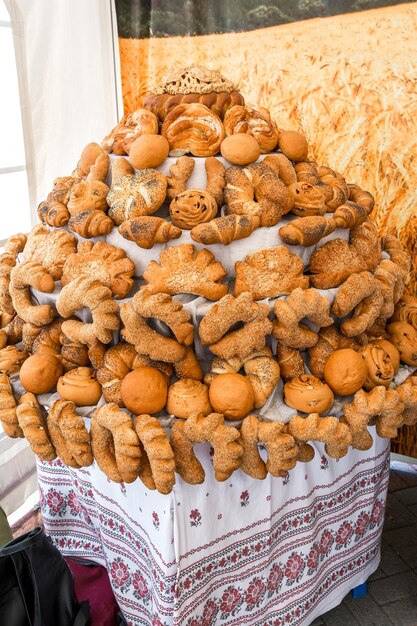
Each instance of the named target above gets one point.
<point>238,296</point>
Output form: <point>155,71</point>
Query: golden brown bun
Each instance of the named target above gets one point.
<point>391,350</point>
<point>345,371</point>
<point>240,149</point>
<point>40,372</point>
<point>294,145</point>
<point>232,395</point>
<point>80,386</point>
<point>144,390</point>
<point>148,151</point>
<point>188,396</point>
<point>308,394</point>
<point>404,338</point>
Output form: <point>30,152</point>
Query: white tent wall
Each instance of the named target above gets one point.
<point>69,86</point>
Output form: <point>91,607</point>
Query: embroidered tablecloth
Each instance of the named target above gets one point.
<point>242,552</point>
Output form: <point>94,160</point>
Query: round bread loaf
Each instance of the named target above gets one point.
<point>345,371</point>
<point>144,390</point>
<point>294,145</point>
<point>188,396</point>
<point>308,394</point>
<point>40,372</point>
<point>148,151</point>
<point>240,149</point>
<point>232,395</point>
<point>80,386</point>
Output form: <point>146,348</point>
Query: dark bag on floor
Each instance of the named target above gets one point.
<point>37,587</point>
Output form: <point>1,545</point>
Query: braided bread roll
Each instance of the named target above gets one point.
<point>158,451</point>
<point>69,435</point>
<point>34,427</point>
<point>186,463</point>
<point>115,444</point>
<point>251,462</point>
<point>179,173</point>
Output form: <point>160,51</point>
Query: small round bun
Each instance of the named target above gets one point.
<point>188,396</point>
<point>40,372</point>
<point>240,149</point>
<point>345,371</point>
<point>148,151</point>
<point>308,394</point>
<point>232,395</point>
<point>294,145</point>
<point>391,350</point>
<point>144,390</point>
<point>379,367</point>
<point>80,386</point>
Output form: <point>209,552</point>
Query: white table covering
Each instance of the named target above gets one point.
<point>242,552</point>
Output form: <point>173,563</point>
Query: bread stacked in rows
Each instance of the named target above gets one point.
<point>240,296</point>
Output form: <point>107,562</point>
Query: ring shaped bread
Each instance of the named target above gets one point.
<point>69,435</point>
<point>119,360</point>
<point>22,277</point>
<point>193,128</point>
<point>115,443</point>
<point>89,292</point>
<point>226,313</point>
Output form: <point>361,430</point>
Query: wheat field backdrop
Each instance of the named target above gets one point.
<point>349,82</point>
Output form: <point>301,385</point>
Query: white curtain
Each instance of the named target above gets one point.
<point>69,85</point>
<point>69,82</point>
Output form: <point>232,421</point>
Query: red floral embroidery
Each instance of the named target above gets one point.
<point>155,520</point>
<point>313,557</point>
<point>294,566</point>
<point>274,578</point>
<point>326,542</point>
<point>210,612</point>
<point>139,583</point>
<point>195,517</point>
<point>73,503</point>
<point>119,572</point>
<point>244,498</point>
<point>55,501</point>
<point>229,600</point>
<point>377,512</point>
<point>344,533</point>
<point>255,591</point>
<point>361,524</point>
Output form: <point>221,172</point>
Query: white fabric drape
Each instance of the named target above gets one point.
<point>68,72</point>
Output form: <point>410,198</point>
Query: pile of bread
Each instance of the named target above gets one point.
<point>165,344</point>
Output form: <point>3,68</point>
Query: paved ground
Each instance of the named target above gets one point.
<point>392,590</point>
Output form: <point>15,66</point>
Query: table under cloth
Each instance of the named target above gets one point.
<point>277,551</point>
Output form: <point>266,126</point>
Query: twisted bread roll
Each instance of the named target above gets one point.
<point>134,195</point>
<point>89,224</point>
<point>307,231</point>
<point>251,462</point>
<point>73,353</point>
<point>408,394</point>
<point>115,444</point>
<point>158,450</point>
<point>298,305</point>
<point>69,435</point>
<point>193,128</point>
<point>225,229</point>
<point>88,195</point>
<point>53,210</point>
<point>91,293</point>
<point>349,215</point>
<point>25,275</point>
<point>290,361</point>
<point>283,166</point>
<point>335,435</point>
<point>246,119</point>
<point>8,417</point>
<point>307,172</point>
<point>11,359</point>
<point>186,463</point>
<point>13,331</point>
<point>362,198</point>
<point>14,245</point>
<point>216,182</point>
<point>179,173</point>
<point>49,338</point>
<point>223,439</point>
<point>33,424</point>
<point>146,231</point>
